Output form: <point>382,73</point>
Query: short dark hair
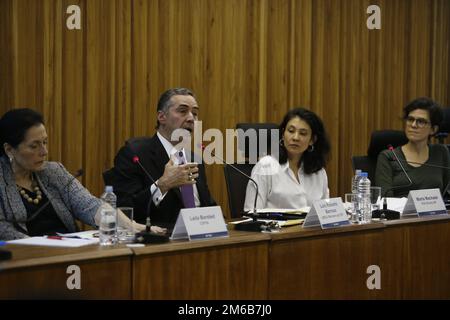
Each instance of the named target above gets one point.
<point>164,99</point>
<point>427,104</point>
<point>15,123</point>
<point>315,160</point>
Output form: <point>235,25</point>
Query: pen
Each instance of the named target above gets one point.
<point>54,237</point>
<point>62,238</point>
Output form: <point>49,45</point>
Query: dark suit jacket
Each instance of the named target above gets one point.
<point>132,186</point>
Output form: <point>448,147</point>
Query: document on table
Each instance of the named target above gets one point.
<point>64,242</point>
<point>280,210</point>
<point>281,223</point>
<point>396,204</point>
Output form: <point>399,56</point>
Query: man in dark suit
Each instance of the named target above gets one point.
<point>177,109</point>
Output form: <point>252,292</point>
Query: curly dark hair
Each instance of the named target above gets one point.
<point>315,160</point>
<point>434,110</point>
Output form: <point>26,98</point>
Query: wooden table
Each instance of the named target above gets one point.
<point>226,268</point>
<point>41,272</point>
<point>413,257</point>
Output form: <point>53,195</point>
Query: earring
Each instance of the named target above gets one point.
<point>281,142</point>
<point>11,159</point>
<point>311,148</point>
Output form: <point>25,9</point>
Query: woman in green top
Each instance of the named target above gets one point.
<point>422,119</point>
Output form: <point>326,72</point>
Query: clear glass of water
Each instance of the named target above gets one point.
<point>107,228</point>
<point>350,200</point>
<point>375,198</point>
<point>126,233</point>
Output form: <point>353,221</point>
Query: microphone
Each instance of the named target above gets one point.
<point>147,236</point>
<point>385,212</point>
<point>432,166</point>
<point>254,225</point>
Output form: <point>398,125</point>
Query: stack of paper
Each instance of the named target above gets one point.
<point>279,210</point>
<point>63,242</point>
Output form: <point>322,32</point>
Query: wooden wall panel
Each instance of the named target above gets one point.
<point>246,61</point>
<point>6,45</point>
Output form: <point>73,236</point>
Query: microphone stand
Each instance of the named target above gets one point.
<point>254,225</point>
<point>386,213</point>
<point>148,236</point>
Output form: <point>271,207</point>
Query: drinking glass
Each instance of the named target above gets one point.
<point>375,198</point>
<point>350,200</point>
<point>126,233</point>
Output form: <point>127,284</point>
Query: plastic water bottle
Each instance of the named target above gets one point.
<point>109,197</point>
<point>364,204</point>
<point>108,218</point>
<point>355,181</point>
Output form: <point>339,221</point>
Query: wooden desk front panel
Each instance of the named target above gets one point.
<point>227,272</point>
<point>41,272</point>
<point>100,279</point>
<point>331,266</point>
<point>423,258</point>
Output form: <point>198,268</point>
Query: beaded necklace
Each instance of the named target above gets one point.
<point>25,195</point>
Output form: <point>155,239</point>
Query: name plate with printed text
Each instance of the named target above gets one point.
<point>200,223</point>
<point>424,202</point>
<point>328,213</point>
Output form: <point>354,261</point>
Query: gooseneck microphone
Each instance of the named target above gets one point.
<point>138,162</point>
<point>147,236</point>
<point>254,225</point>
<point>385,212</point>
<point>391,148</point>
<point>431,166</point>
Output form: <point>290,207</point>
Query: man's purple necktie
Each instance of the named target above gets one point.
<point>187,193</point>
<point>187,190</point>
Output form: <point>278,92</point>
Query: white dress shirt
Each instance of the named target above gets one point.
<point>170,150</point>
<point>278,187</point>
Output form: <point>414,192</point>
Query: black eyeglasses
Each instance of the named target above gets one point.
<point>420,122</point>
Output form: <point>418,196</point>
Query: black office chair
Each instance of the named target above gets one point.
<point>256,132</point>
<point>379,141</point>
<point>108,177</point>
<point>251,134</point>
<point>444,128</point>
<point>236,187</point>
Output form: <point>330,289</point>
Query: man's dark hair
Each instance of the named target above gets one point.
<point>164,102</point>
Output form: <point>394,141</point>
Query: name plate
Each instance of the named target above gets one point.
<point>425,202</point>
<point>328,213</point>
<point>200,223</point>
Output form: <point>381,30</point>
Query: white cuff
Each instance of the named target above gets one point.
<point>157,195</point>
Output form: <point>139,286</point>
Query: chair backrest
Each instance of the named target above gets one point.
<point>444,128</point>
<point>365,164</point>
<point>259,132</point>
<point>108,177</point>
<point>236,187</point>
<point>379,141</point>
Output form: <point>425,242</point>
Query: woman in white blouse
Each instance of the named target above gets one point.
<point>299,177</point>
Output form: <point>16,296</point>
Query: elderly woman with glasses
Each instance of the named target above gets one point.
<point>421,160</point>
<point>39,197</point>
